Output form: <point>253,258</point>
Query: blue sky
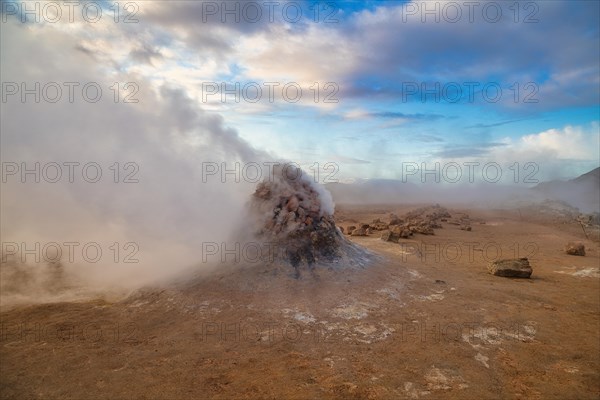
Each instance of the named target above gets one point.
<point>538,61</point>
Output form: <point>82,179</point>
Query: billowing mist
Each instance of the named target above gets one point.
<point>117,193</point>
<point>582,193</point>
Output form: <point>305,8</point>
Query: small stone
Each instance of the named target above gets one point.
<point>359,232</point>
<point>575,249</point>
<point>292,203</point>
<point>512,268</point>
<point>390,236</point>
<point>379,226</point>
<point>301,213</point>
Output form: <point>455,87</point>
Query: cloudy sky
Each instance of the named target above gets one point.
<point>113,112</point>
<point>365,85</point>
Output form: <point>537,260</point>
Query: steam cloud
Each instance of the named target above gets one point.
<point>160,220</point>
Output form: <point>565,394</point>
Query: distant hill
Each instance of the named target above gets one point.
<point>391,191</point>
<point>582,192</point>
<point>593,177</point>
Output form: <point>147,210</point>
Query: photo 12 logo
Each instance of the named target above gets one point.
<point>261,332</point>
<point>55,92</point>
<point>469,172</point>
<point>253,92</point>
<point>255,172</point>
<point>469,92</point>
<point>63,332</point>
<point>459,251</point>
<point>491,12</point>
<point>68,171</point>
<point>471,332</point>
<point>253,12</point>
<point>241,252</point>
<point>70,252</point>
<point>53,12</point>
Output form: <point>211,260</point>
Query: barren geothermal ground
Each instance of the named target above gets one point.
<point>424,321</point>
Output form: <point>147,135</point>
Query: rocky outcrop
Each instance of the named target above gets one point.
<point>420,221</point>
<point>395,234</point>
<point>294,215</point>
<point>377,225</point>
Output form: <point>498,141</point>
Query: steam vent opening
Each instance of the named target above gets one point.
<point>294,215</point>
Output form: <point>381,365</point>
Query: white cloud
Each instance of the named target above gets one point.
<point>383,44</point>
<point>570,142</point>
<point>356,113</point>
<point>559,153</point>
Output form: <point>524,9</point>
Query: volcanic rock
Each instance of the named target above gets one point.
<point>430,213</point>
<point>359,232</point>
<point>394,220</point>
<point>425,219</point>
<point>421,220</point>
<point>513,268</point>
<point>292,204</point>
<point>294,215</point>
<point>379,226</point>
<point>402,231</point>
<point>390,236</point>
<point>575,249</point>
<point>423,228</point>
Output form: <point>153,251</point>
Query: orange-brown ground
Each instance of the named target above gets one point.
<point>423,322</point>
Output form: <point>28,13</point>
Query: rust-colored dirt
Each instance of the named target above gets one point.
<point>422,323</point>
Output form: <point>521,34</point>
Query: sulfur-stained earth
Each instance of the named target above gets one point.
<point>424,321</point>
